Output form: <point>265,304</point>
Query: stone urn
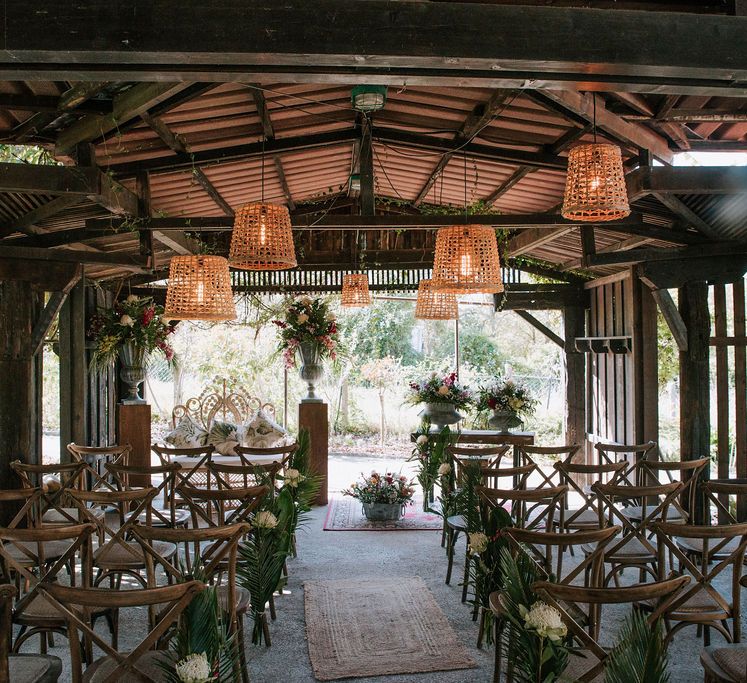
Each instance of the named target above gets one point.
<point>132,372</point>
<point>440,414</point>
<point>504,421</point>
<point>311,370</point>
<point>383,512</point>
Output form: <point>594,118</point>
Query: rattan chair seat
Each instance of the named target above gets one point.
<point>116,556</point>
<point>727,662</point>
<point>148,664</point>
<point>695,545</point>
<point>31,668</point>
<point>181,517</point>
<point>587,519</point>
<point>53,550</point>
<point>62,516</point>
<point>457,522</point>
<point>41,609</point>
<point>579,663</point>
<point>243,599</point>
<point>633,550</point>
<point>635,512</point>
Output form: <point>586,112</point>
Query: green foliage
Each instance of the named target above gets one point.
<point>203,628</point>
<point>26,154</point>
<point>668,353</point>
<point>640,655</point>
<point>535,659</point>
<point>382,329</point>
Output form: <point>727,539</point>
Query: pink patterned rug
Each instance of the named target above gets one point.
<point>346,514</point>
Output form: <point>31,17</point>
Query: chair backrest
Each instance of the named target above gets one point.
<point>531,454</point>
<point>170,601</point>
<point>686,471</point>
<point>193,461</point>
<point>54,482</point>
<point>719,548</point>
<point>27,502</point>
<point>216,507</point>
<point>95,457</point>
<point>496,477</point>
<point>530,509</point>
<point>121,481</point>
<point>629,453</point>
<point>719,493</point>
<point>569,599</point>
<point>490,456</point>
<point>541,545</point>
<point>235,476</point>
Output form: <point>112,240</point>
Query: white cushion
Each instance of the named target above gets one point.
<point>186,435</point>
<point>263,432</point>
<point>225,436</point>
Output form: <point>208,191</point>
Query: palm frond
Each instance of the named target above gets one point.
<point>639,655</point>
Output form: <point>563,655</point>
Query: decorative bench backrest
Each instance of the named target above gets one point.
<point>222,400</point>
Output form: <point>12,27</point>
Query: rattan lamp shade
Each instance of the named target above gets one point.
<point>262,238</point>
<point>595,184</point>
<point>435,305</point>
<point>199,289</point>
<point>355,293</point>
<point>467,261</point>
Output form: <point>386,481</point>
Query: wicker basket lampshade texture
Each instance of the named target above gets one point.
<point>595,184</point>
<point>435,305</point>
<point>355,292</point>
<point>262,238</point>
<point>199,289</point>
<point>467,261</point>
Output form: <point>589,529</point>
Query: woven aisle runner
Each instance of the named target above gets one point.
<point>377,627</point>
<point>346,514</point>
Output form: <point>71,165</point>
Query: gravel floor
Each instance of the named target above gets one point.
<point>390,554</point>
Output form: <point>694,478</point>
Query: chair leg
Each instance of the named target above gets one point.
<point>452,542</point>
<point>497,657</point>
<point>266,630</point>
<point>481,629</point>
<point>465,583</point>
<point>273,614</point>
<point>242,648</point>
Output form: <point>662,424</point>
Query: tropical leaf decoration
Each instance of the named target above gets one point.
<point>202,629</point>
<point>640,655</point>
<point>535,658</point>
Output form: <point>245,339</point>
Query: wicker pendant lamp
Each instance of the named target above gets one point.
<point>199,289</point>
<point>595,183</point>
<point>467,261</point>
<point>435,305</point>
<point>355,292</point>
<point>262,237</point>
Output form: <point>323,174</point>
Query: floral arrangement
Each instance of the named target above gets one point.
<point>437,389</point>
<point>307,320</point>
<point>137,320</point>
<point>382,488</point>
<point>506,395</point>
<point>431,458</point>
<point>194,669</point>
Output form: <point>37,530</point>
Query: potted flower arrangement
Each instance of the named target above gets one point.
<point>308,330</point>
<point>508,400</point>
<point>131,330</point>
<point>442,397</point>
<point>383,496</point>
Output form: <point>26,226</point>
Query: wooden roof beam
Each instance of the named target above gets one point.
<point>673,180</point>
<point>702,252</point>
<point>134,263</point>
<point>531,238</point>
<point>478,118</point>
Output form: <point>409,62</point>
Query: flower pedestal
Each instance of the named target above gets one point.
<point>383,512</point>
<point>133,428</point>
<point>311,370</point>
<point>440,414</point>
<point>504,421</point>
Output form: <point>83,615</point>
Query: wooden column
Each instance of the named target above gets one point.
<point>20,423</point>
<point>575,377</point>
<point>645,364</point>
<point>73,371</point>
<point>133,427</point>
<point>695,424</point>
<point>314,417</point>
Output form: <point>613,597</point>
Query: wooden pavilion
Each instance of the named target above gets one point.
<point>167,116</point>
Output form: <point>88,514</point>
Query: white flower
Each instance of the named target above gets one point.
<point>478,542</point>
<point>330,317</point>
<point>421,440</point>
<point>126,320</point>
<point>516,403</point>
<point>132,298</point>
<point>444,469</point>
<point>302,318</point>
<point>194,669</point>
<point>293,477</point>
<point>265,520</point>
<point>443,390</point>
<point>545,620</point>
<point>306,301</point>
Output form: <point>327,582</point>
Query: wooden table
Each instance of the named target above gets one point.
<point>489,437</point>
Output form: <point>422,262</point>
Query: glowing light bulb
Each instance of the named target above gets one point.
<point>262,231</point>
<point>200,292</point>
<point>596,181</point>
<point>465,265</point>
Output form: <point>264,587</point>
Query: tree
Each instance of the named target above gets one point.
<point>382,374</point>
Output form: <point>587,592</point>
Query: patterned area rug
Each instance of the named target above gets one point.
<point>346,514</point>
<point>378,627</point>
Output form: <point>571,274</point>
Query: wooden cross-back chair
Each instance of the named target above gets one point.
<point>629,453</point>
<point>725,663</point>
<point>216,548</point>
<point>651,472</point>
<point>529,455</point>
<point>572,475</point>
<point>32,612</point>
<point>193,462</point>
<point>96,457</point>
<point>117,555</point>
<point>539,546</point>
<point>490,456</point>
<point>26,668</point>
<point>635,548</point>
<point>170,516</point>
<point>588,664</point>
<point>141,663</point>
<point>719,548</point>
<point>720,493</point>
<point>214,507</point>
